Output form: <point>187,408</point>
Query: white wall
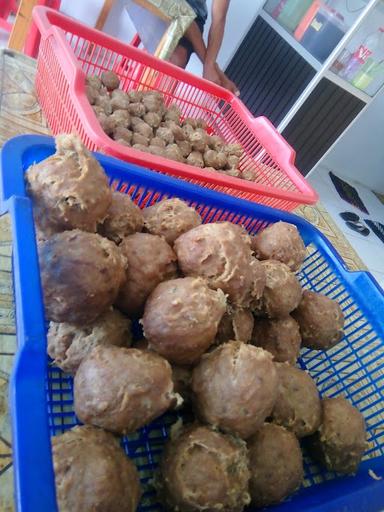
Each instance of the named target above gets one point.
<point>241,15</point>
<point>118,23</point>
<point>359,153</point>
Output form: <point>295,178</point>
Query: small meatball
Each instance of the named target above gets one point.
<point>156,141</point>
<point>340,441</point>
<point>276,465</point>
<point>108,124</point>
<point>235,388</point>
<point>81,274</point>
<point>136,110</point>
<point>198,140</point>
<point>92,472</point>
<point>94,81</point>
<point>123,142</point>
<point>110,80</point>
<point>281,337</point>
<point>181,317</point>
<point>200,123</point>
<point>92,94</point>
<point>135,121</point>
<point>119,100</point>
<point>215,142</point>
<point>165,134</point>
<point>220,252</point>
<point>182,379</point>
<point>140,147</point>
<point>121,133</point>
<point>68,344</point>
<point>173,152</point>
<point>98,110</point>
<point>173,114</point>
<point>135,96</point>
<point>185,147</point>
<point>153,101</point>
<point>249,174</point>
<point>297,406</point>
<point>188,130</point>
<point>140,140</point>
<point>122,389</point>
<point>105,103</point>
<point>153,119</point>
<point>282,292</point>
<point>150,261</point>
<point>156,150</point>
<point>210,158</point>
<point>195,158</point>
<point>69,189</point>
<point>202,469</point>
<point>281,242</point>
<point>122,118</point>
<point>170,218</point>
<point>233,161</point>
<point>144,129</point>
<point>178,132</point>
<point>191,122</point>
<point>236,324</point>
<point>221,160</point>
<point>235,173</point>
<point>234,149</point>
<point>124,218</point>
<point>321,321</point>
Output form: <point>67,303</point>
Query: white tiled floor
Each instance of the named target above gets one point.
<point>370,248</point>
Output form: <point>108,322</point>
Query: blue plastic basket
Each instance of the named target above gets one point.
<point>41,395</point>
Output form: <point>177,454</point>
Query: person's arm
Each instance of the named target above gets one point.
<point>194,35</point>
<point>215,38</point>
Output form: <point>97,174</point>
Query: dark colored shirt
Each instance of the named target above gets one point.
<point>200,8</point>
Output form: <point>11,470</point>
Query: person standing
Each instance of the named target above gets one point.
<point>193,42</point>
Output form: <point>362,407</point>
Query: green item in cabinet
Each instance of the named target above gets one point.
<point>292,13</point>
<point>367,73</point>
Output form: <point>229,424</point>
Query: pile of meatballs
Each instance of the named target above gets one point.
<point>223,318</point>
<point>141,120</point>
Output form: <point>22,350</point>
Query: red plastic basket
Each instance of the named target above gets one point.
<point>70,50</point>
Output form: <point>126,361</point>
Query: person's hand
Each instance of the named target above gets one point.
<point>211,73</point>
<point>227,83</point>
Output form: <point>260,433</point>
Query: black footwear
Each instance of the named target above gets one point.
<point>350,216</point>
<point>358,227</point>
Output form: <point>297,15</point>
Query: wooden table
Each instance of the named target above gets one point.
<point>20,113</point>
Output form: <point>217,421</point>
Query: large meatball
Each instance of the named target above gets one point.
<point>170,218</point>
<point>221,253</point>
<point>181,317</point>
<point>122,389</point>
<point>236,324</point>
<point>276,465</point>
<point>69,189</point>
<point>68,344</point>
<point>205,470</point>
<point>93,473</point>
<point>280,336</point>
<point>150,261</point>
<point>81,274</point>
<point>341,439</point>
<point>297,406</point>
<point>282,292</point>
<point>235,388</point>
<point>321,321</point>
<point>281,242</point>
<point>123,218</point>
